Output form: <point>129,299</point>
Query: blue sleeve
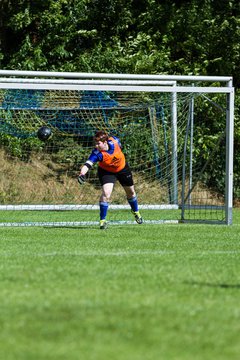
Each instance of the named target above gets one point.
<point>95,156</point>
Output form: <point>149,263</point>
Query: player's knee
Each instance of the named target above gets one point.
<point>105,198</point>
<point>130,193</point>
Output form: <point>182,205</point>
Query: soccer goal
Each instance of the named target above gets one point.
<point>176,133</point>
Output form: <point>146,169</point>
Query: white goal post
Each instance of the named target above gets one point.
<point>160,120</point>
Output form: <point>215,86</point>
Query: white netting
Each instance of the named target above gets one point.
<point>43,175</point>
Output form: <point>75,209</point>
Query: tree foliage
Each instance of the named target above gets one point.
<point>199,37</point>
<point>179,37</point>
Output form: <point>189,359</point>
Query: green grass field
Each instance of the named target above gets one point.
<point>128,293</point>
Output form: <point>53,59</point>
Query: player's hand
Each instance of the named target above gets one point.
<point>81,179</point>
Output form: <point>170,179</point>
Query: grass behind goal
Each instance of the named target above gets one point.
<point>127,293</point>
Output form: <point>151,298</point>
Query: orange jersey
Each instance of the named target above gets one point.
<point>114,162</point>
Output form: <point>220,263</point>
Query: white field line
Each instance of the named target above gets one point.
<point>117,253</point>
<point>82,223</point>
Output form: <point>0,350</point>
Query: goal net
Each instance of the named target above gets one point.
<point>176,136</point>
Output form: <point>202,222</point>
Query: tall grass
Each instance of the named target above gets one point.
<point>127,293</point>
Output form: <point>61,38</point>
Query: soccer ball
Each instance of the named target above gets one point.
<point>44,133</point>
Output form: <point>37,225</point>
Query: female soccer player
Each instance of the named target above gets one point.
<point>112,166</point>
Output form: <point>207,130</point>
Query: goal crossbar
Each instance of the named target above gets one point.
<point>130,87</point>
<point>81,75</point>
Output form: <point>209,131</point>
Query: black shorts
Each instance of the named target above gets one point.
<point>124,176</point>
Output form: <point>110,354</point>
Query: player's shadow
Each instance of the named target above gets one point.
<point>216,285</point>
